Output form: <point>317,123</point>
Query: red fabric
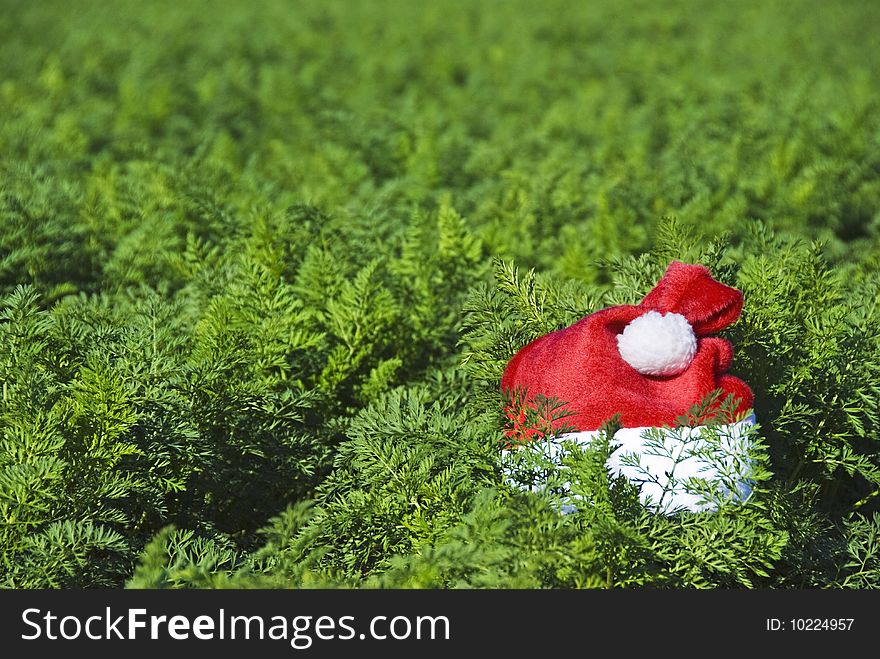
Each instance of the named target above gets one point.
<point>582,366</point>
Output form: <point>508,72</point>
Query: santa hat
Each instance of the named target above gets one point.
<point>650,363</point>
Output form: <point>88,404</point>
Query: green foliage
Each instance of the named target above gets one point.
<point>257,292</point>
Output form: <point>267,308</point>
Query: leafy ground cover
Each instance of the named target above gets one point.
<point>261,266</point>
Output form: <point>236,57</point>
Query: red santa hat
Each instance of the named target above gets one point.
<point>649,362</point>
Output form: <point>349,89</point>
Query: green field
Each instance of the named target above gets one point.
<point>262,264</point>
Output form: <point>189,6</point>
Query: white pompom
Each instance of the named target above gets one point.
<point>658,344</point>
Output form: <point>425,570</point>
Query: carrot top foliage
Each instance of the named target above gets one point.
<point>262,264</point>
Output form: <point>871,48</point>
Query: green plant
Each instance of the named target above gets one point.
<point>257,292</point>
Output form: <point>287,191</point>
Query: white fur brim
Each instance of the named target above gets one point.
<point>685,468</point>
